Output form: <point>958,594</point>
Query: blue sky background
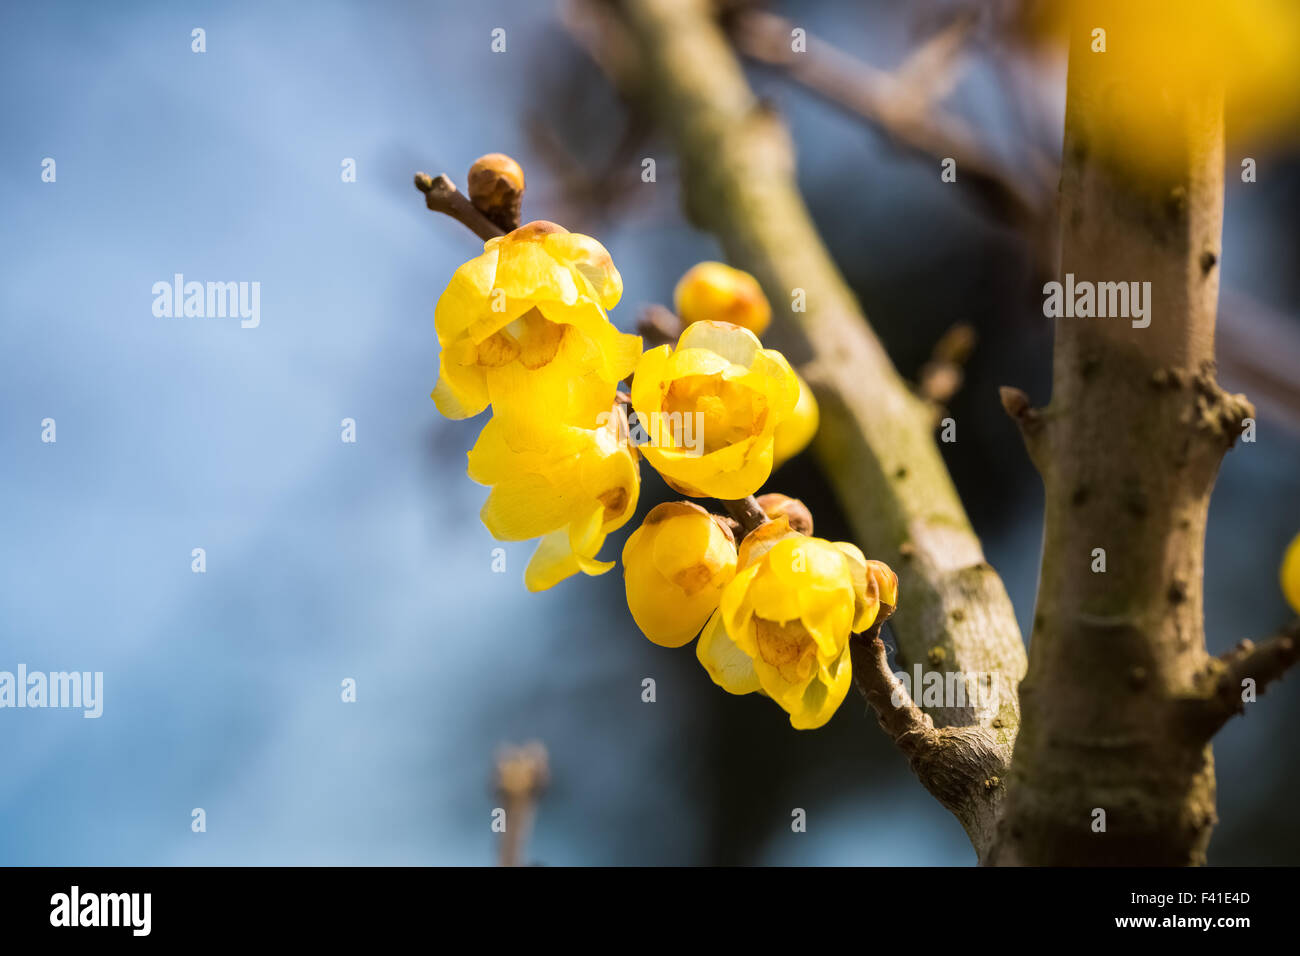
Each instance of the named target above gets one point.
<point>328,560</point>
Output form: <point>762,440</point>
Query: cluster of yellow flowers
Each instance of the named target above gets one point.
<point>524,330</point>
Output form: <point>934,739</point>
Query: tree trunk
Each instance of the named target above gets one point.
<point>1112,764</point>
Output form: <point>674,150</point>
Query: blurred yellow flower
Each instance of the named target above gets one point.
<point>523,327</point>
<point>711,406</point>
<point>674,569</point>
<point>784,622</point>
<point>1290,574</point>
<point>571,487</point>
<point>1152,58</point>
<point>795,433</point>
<point>714,291</point>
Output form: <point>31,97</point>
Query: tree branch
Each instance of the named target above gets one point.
<point>899,105</point>
<point>960,766</point>
<point>441,195</point>
<point>1223,680</point>
<point>1028,419</point>
<point>875,442</point>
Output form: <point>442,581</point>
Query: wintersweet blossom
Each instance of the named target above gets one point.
<point>525,323</point>
<point>570,487</point>
<point>674,569</point>
<point>739,393</point>
<point>785,619</point>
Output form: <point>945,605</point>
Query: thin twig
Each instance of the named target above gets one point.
<point>522,775</point>
<point>747,512</point>
<point>441,195</point>
<point>909,119</point>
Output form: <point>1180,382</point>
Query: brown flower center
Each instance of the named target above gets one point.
<point>788,647</point>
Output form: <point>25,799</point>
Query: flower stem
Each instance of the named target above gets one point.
<point>746,511</point>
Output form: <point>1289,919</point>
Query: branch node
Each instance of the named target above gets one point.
<point>1030,420</point>
<point>1220,685</point>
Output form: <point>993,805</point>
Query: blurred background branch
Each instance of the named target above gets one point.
<point>522,774</point>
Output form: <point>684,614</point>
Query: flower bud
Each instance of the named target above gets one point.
<point>796,512</point>
<point>674,569</point>
<point>496,188</point>
<point>883,582</point>
<point>875,587</point>
<point>714,291</point>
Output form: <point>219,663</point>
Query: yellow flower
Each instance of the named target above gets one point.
<point>711,407</point>
<point>713,291</point>
<point>674,569</point>
<point>1290,574</point>
<point>571,487</point>
<point>784,622</point>
<point>523,327</point>
<point>795,433</point>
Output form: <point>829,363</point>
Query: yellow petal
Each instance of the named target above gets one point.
<point>658,607</point>
<point>819,700</point>
<point>461,391</point>
<point>738,610</point>
<point>732,472</point>
<point>592,261</point>
<point>684,362</point>
<point>528,506</point>
<point>870,579</point>
<point>569,387</point>
<point>465,297</point>
<point>649,383</point>
<point>762,539</point>
<point>795,432</point>
<point>785,659</point>
<point>564,553</point>
<point>734,343</point>
<point>675,567</point>
<point>551,563</point>
<point>616,352</point>
<point>729,666</point>
<point>526,271</point>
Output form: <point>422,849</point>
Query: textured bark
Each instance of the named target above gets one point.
<point>1128,450</point>
<point>876,440</point>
